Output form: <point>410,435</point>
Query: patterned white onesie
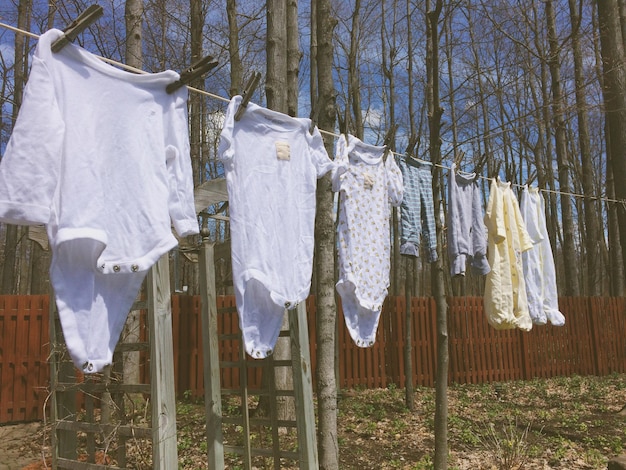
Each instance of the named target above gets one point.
<point>272,163</point>
<point>367,185</point>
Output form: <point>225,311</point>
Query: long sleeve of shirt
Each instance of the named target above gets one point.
<point>31,163</point>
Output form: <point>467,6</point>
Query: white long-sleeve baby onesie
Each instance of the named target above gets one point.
<point>539,270</point>
<point>271,162</point>
<point>505,301</point>
<point>101,156</point>
<point>367,186</point>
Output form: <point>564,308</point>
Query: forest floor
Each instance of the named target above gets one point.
<point>565,423</point>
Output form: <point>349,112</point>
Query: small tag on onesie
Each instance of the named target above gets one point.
<point>368,181</point>
<point>283,152</point>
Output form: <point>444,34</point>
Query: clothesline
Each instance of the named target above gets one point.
<point>329,133</point>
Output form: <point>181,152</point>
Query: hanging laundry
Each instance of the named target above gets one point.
<point>505,302</point>
<point>539,270</point>
<point>271,163</point>
<point>417,209</point>
<point>367,185</point>
<point>101,156</point>
<point>467,234</point>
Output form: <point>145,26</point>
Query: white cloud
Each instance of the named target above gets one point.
<point>373,118</point>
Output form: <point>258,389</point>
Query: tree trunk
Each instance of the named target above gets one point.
<point>40,256</point>
<point>616,267</point>
<point>134,57</point>
<point>276,87</point>
<point>614,91</point>
<point>591,207</point>
<point>409,393</point>
<point>196,102</point>
<point>389,55</point>
<point>410,262</point>
<point>313,93</point>
<point>438,288</point>
<point>570,259</point>
<point>236,70</point>
<point>25,245</point>
<point>294,55</point>
<point>325,255</point>
<point>354,82</point>
<point>20,66</point>
<point>614,255</point>
<point>39,280</point>
<point>276,70</point>
<point>482,95</point>
<point>545,179</point>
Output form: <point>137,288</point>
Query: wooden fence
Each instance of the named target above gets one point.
<point>592,342</point>
<point>24,349</point>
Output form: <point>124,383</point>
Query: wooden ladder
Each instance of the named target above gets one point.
<point>300,363</point>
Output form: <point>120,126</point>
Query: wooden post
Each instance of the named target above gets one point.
<point>596,340</point>
<point>211,364</point>
<point>409,394</point>
<point>164,449</point>
<point>245,411</point>
<point>63,402</point>
<point>303,388</point>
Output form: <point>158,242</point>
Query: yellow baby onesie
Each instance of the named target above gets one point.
<point>505,301</point>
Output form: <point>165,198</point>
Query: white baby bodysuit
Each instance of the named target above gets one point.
<point>271,162</point>
<point>538,262</point>
<point>101,156</point>
<point>367,186</point>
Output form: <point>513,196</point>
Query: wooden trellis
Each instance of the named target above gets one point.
<point>75,427</point>
<point>103,432</point>
<point>214,192</point>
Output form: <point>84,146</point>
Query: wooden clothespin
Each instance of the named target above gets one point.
<point>196,70</point>
<point>481,163</point>
<point>388,139</point>
<point>341,122</point>
<point>253,82</point>
<point>391,133</point>
<point>315,112</point>
<point>89,16</point>
<point>410,148</point>
<point>531,178</point>
<point>496,174</point>
<point>458,158</point>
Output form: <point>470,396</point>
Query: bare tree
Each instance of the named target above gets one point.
<point>20,69</point>
<point>276,69</point>
<point>277,99</point>
<point>294,55</point>
<point>389,53</point>
<point>354,82</point>
<point>614,90</point>
<point>614,261</point>
<point>409,261</point>
<point>563,159</point>
<point>236,70</point>
<point>435,112</point>
<point>324,255</point>
<point>134,58</point>
<point>591,207</point>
